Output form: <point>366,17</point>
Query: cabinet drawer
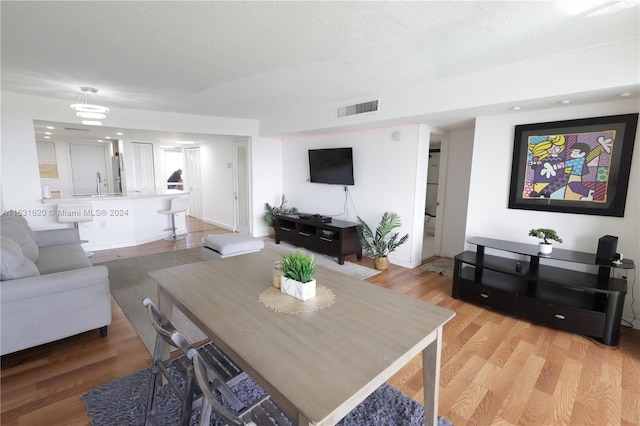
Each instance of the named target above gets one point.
<point>562,317</point>
<point>487,296</point>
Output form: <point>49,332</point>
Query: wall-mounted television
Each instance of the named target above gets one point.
<point>333,166</point>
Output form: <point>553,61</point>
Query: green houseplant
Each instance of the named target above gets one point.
<point>379,244</point>
<point>298,271</point>
<point>546,235</point>
<point>272,211</point>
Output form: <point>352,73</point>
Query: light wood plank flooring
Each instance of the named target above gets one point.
<point>495,369</point>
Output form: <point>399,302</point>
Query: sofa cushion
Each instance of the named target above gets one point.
<point>62,258</point>
<point>17,231</point>
<point>13,216</point>
<point>14,264</point>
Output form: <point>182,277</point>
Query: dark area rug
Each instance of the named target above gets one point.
<point>123,402</point>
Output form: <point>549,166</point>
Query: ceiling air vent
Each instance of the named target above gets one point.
<point>75,129</point>
<point>370,106</point>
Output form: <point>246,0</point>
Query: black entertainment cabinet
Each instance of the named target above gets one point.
<point>579,302</point>
<point>337,238</point>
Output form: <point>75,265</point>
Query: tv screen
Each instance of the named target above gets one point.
<point>334,166</point>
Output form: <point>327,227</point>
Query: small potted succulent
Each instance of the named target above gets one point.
<point>298,271</point>
<point>546,235</point>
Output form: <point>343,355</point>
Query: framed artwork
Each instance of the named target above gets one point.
<point>574,166</point>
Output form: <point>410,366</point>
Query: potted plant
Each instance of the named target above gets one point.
<point>547,235</point>
<point>271,212</point>
<point>379,244</point>
<point>298,270</point>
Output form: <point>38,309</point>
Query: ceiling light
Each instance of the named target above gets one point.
<point>625,94</point>
<point>516,108</point>
<point>47,137</point>
<point>92,123</point>
<point>94,115</point>
<point>50,127</point>
<point>565,101</point>
<point>119,133</point>
<point>47,133</point>
<point>88,101</point>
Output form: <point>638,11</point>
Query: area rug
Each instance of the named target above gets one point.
<point>442,266</point>
<point>130,282</point>
<point>123,402</point>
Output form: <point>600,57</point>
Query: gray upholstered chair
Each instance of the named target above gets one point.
<point>262,412</point>
<point>221,369</point>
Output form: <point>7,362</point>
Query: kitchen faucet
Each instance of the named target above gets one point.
<point>98,183</point>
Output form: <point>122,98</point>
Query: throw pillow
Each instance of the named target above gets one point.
<point>13,263</point>
<point>18,232</point>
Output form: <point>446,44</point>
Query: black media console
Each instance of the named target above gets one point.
<point>579,302</point>
<point>335,238</point>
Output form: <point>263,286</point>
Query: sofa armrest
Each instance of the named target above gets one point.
<point>54,237</point>
<point>65,281</point>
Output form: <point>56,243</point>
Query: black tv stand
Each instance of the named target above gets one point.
<point>337,238</point>
<point>579,302</point>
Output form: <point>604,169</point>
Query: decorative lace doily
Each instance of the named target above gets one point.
<point>281,302</point>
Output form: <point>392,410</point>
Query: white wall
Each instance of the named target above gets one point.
<point>458,150</point>
<point>488,215</point>
<point>266,175</point>
<point>386,179</point>
<point>217,183</point>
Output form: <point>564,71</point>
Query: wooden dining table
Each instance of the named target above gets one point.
<point>319,365</point>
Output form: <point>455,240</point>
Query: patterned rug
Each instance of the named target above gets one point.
<point>123,402</point>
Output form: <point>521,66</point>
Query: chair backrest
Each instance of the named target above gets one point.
<point>179,204</point>
<point>165,328</point>
<point>209,401</point>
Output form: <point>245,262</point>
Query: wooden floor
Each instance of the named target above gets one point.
<point>495,369</point>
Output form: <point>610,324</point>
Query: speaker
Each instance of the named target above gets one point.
<point>607,246</point>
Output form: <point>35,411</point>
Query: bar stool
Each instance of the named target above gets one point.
<point>76,213</point>
<point>178,205</point>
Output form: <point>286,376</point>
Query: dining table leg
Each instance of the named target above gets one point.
<point>431,378</point>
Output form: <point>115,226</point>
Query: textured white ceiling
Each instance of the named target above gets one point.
<point>249,59</point>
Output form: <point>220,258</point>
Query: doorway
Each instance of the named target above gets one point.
<point>431,237</point>
<point>193,181</point>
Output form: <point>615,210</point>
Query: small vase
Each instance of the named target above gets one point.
<point>381,263</point>
<point>277,275</point>
<point>544,248</point>
<point>302,291</point>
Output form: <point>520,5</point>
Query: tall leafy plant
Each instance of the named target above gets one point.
<point>383,241</point>
<point>272,211</point>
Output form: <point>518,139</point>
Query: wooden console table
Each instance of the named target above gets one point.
<point>337,238</point>
<point>579,302</point>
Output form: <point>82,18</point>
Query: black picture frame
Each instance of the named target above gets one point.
<point>564,166</point>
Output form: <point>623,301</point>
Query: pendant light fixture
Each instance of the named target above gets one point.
<point>88,106</point>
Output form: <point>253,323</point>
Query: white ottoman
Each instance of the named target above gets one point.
<point>232,244</point>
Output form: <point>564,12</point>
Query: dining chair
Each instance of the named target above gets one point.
<point>263,411</point>
<point>178,370</point>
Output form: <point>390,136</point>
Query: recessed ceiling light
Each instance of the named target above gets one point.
<point>100,140</point>
<point>625,94</point>
<point>92,123</point>
<point>47,133</point>
<point>565,101</point>
<point>119,133</point>
<point>50,127</point>
<point>108,137</point>
<point>515,108</point>
<point>47,137</point>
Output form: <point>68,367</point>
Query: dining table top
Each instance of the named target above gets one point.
<point>319,364</point>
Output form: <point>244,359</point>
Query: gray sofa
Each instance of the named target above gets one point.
<point>48,288</point>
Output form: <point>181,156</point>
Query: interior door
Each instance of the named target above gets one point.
<point>193,180</point>
<point>241,186</point>
<point>86,162</point>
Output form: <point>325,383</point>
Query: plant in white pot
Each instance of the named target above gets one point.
<point>298,270</point>
<point>547,235</point>
<point>379,244</point>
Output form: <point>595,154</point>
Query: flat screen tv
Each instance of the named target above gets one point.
<point>333,166</point>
